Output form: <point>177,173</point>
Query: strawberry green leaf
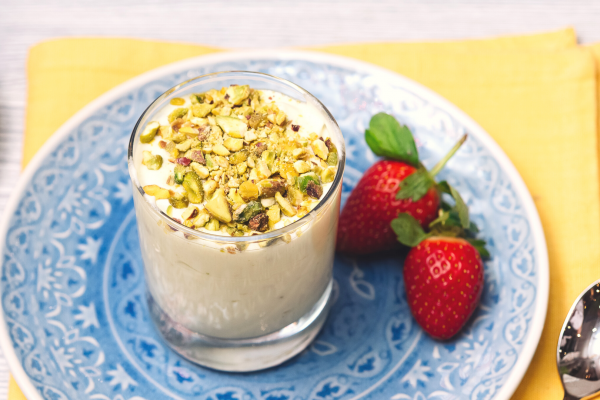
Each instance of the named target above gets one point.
<point>408,230</point>
<point>415,185</point>
<point>473,228</point>
<point>480,247</point>
<point>444,187</point>
<point>460,207</point>
<point>387,138</point>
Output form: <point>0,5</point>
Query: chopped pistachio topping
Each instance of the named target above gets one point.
<point>304,179</point>
<point>219,207</point>
<point>177,113</point>
<point>236,163</point>
<point>157,192</point>
<point>193,187</point>
<point>153,162</point>
<point>177,101</point>
<point>179,200</point>
<point>149,132</point>
<point>249,211</point>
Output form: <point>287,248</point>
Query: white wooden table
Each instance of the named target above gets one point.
<point>234,24</point>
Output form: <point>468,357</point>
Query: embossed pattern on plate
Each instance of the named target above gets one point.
<point>72,279</point>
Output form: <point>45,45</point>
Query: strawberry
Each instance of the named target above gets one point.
<point>443,272</point>
<point>388,188</point>
<point>364,225</point>
<point>443,277</point>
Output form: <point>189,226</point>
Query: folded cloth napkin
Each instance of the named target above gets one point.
<point>536,95</point>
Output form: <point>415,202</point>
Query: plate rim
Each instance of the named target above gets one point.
<point>541,304</point>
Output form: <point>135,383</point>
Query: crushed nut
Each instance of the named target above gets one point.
<point>151,161</point>
<point>237,153</point>
<point>197,156</point>
<point>184,161</point>
<point>259,222</point>
<point>218,207</point>
<point>177,101</point>
<point>286,207</point>
<point>301,166</point>
<point>149,132</point>
<point>268,201</point>
<point>248,191</point>
<point>179,200</point>
<point>268,187</point>
<point>233,144</point>
<point>157,192</point>
<point>201,170</point>
<point>177,113</point>
<point>313,190</point>
<point>320,149</point>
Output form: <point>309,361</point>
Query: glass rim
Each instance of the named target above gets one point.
<point>336,183</point>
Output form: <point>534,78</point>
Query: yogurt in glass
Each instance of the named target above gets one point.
<point>237,185</point>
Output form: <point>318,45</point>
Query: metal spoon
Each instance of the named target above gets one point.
<point>578,352</point>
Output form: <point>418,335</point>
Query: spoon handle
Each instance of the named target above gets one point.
<point>570,397</point>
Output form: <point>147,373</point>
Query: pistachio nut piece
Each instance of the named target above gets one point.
<point>213,225</point>
<point>255,120</point>
<point>268,187</point>
<point>149,132</point>
<point>237,94</point>
<point>233,144</point>
<point>248,191</point>
<point>295,196</point>
<point>301,166</point>
<point>202,110</point>
<point>179,172</point>
<point>179,200</point>
<point>274,214</point>
<point>332,158</point>
<point>314,190</point>
<point>252,209</point>
<point>328,174</point>
<point>232,126</point>
<point>235,197</point>
<point>210,164</point>
<point>259,222</point>
<point>209,187</point>
<point>177,113</point>
<point>262,170</point>
<point>285,205</point>
<point>157,192</point>
<point>201,170</point>
<point>219,207</point>
<point>202,219</point>
<point>268,156</point>
<point>221,150</point>
<point>151,161</point>
<point>280,118</point>
<point>177,101</point>
<point>193,187</point>
<point>239,157</point>
<point>190,213</point>
<point>320,149</point>
<point>302,180</point>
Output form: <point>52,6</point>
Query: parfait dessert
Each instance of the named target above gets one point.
<point>237,201</point>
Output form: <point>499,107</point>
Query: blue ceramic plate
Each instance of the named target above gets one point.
<point>76,324</point>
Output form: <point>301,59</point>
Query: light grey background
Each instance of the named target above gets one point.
<point>248,24</point>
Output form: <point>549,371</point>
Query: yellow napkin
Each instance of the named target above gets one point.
<point>536,95</point>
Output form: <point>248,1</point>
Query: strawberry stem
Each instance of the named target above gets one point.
<point>438,167</point>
